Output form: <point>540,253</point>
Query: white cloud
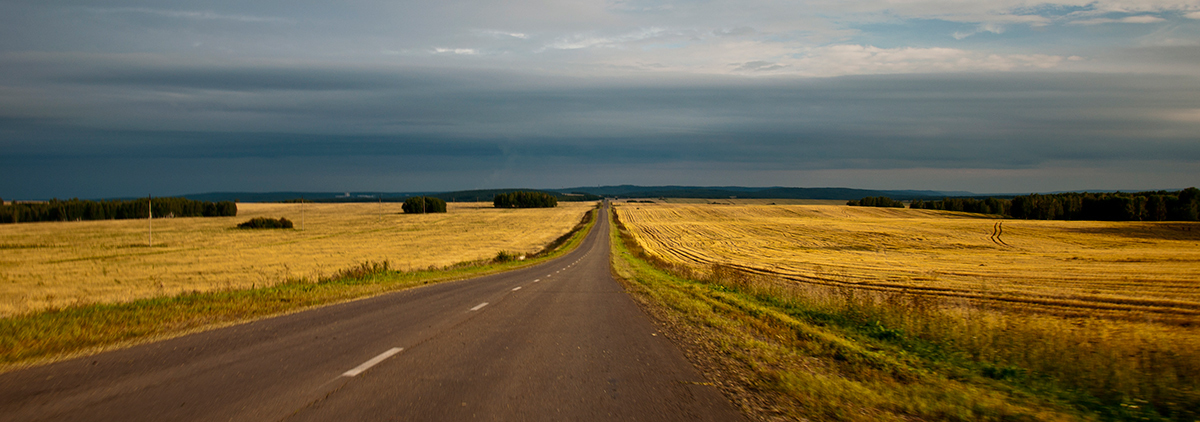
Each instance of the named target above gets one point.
<point>859,59</point>
<point>1129,19</point>
<point>994,28</point>
<point>581,41</point>
<point>503,34</point>
<point>757,66</point>
<point>734,32</point>
<point>462,51</point>
<point>1192,15</point>
<point>752,58</point>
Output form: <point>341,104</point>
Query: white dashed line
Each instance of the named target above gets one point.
<point>535,281</point>
<point>479,306</point>
<point>516,288</point>
<point>375,360</point>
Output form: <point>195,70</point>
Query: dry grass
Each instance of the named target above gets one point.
<point>1152,269</point>
<point>1097,316</point>
<point>48,265</point>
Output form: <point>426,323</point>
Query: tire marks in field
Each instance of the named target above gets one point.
<point>997,230</point>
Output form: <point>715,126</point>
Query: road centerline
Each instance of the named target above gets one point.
<point>479,306</point>
<point>374,361</point>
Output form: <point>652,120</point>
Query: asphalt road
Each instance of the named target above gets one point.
<point>558,341</point>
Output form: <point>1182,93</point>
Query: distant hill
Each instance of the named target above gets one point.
<point>310,196</point>
<point>484,195</point>
<point>590,194</point>
<point>722,192</point>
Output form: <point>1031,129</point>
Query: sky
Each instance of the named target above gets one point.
<point>128,98</point>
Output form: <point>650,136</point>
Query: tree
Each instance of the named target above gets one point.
<point>266,223</point>
<point>423,204</point>
<point>523,199</point>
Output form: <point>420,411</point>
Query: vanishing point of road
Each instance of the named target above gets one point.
<point>556,341</point>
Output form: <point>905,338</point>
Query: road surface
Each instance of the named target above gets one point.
<point>558,341</point>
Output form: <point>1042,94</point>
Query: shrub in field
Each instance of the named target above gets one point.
<point>525,200</point>
<point>506,256</point>
<point>423,204</point>
<point>266,223</point>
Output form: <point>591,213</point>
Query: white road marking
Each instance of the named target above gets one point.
<point>479,306</point>
<point>375,360</point>
<point>535,281</point>
<point>516,288</point>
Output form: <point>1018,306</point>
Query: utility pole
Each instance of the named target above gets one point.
<point>150,218</point>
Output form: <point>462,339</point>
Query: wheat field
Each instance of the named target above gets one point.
<point>1151,270</point>
<point>57,264</point>
<point>1101,316</point>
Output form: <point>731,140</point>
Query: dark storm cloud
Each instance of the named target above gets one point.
<point>499,127</point>
<point>943,121</point>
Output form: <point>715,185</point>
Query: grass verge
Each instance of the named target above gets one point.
<point>784,355</point>
<point>57,334</point>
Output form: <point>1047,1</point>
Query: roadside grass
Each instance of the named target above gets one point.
<point>784,351</point>
<point>57,334</point>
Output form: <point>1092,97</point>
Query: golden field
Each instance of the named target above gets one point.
<point>1151,269</point>
<point>852,313</point>
<point>55,264</point>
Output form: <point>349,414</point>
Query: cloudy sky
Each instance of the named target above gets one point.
<point>126,98</point>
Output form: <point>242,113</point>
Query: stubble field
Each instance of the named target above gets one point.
<point>899,314</point>
<point>1062,267</point>
<point>45,265</point>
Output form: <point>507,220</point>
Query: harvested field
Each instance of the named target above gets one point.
<point>1147,270</point>
<point>63,263</point>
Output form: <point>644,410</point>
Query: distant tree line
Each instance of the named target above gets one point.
<point>1183,205</point>
<point>76,209</point>
<point>524,199</point>
<point>876,201</point>
<point>423,204</point>
<point>484,194</point>
<point>980,206</point>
